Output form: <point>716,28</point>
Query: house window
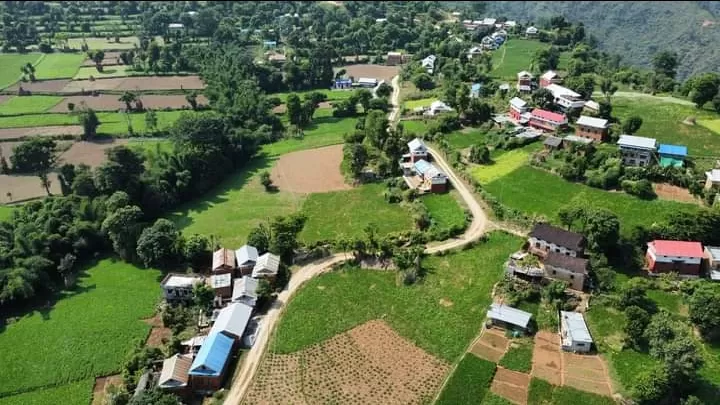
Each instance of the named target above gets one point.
<point>580,344</point>
<point>572,277</point>
<point>537,244</point>
<point>554,271</point>
<point>557,250</point>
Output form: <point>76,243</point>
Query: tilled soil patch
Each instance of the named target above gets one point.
<point>136,83</point>
<point>25,187</point>
<point>20,133</point>
<point>90,153</point>
<point>546,361</point>
<point>111,59</point>
<point>101,384</point>
<point>310,171</point>
<point>511,385</point>
<point>379,72</point>
<point>111,102</point>
<point>45,86</point>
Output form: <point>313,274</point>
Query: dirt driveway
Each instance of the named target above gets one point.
<point>310,171</point>
<point>491,346</point>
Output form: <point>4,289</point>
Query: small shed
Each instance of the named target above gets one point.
<point>712,256</point>
<point>267,266</point>
<point>475,90</point>
<point>509,317</point>
<point>246,257</point>
<point>245,290</point>
<point>672,155</point>
<point>223,261</point>
<point>174,375</point>
<point>342,84</point>
<point>552,143</point>
<point>270,44</point>
<point>574,333</point>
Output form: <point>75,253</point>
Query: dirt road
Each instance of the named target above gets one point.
<point>253,357</point>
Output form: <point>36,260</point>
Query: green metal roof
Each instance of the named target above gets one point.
<point>666,161</point>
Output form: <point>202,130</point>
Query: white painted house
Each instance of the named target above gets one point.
<point>438,107</point>
<point>636,150</point>
<point>565,98</point>
<point>267,266</point>
<point>574,333</point>
<point>179,287</point>
<point>429,64</point>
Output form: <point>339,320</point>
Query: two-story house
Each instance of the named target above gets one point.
<point>518,107</point>
<point>684,258</point>
<point>547,120</point>
<point>550,77</point>
<point>525,81</point>
<point>573,270</point>
<point>546,238</point>
<point>566,98</point>
<point>636,150</point>
<point>592,128</point>
<point>179,287</point>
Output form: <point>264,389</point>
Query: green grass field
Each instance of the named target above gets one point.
<point>543,393</point>
<point>469,383</point>
<point>78,392</point>
<point>108,71</point>
<point>417,127</point>
<point>324,131</point>
<point>5,211</point>
<point>111,123</point>
<point>513,57</point>
<point>102,43</point>
<point>535,191</point>
<point>444,210</point>
<point>494,399</point>
<point>28,105</point>
<point>351,297</point>
<point>504,164</point>
<point>86,334</point>
<point>339,214</point>
<point>331,94</point>
<point>11,64</point>
<point>519,358</point>
<point>423,102</point>
<point>461,140</point>
<point>59,65</point>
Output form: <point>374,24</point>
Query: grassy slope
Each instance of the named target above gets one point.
<point>462,140</point>
<point>543,393</point>
<point>78,392</point>
<point>59,65</point>
<point>111,123</point>
<point>444,209</point>
<point>469,383</point>
<point>331,94</point>
<point>535,191</point>
<point>28,105</point>
<point>504,163</point>
<point>513,57</point>
<point>324,131</point>
<point>11,64</point>
<point>349,298</point>
<point>86,334</point>
<point>423,102</point>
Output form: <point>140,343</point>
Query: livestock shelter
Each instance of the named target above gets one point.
<point>508,317</point>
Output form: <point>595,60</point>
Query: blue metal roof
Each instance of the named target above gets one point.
<point>213,354</point>
<point>343,81</point>
<point>676,150</point>
<point>422,166</point>
<point>476,87</point>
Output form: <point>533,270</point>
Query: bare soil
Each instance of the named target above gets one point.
<point>19,133</point>
<point>137,83</point>
<point>111,59</point>
<point>44,86</point>
<point>101,384</point>
<point>111,102</point>
<point>90,153</point>
<point>159,334</point>
<point>491,346</point>
<point>511,385</point>
<point>310,171</point>
<point>673,193</point>
<point>546,361</point>
<point>379,72</point>
<point>370,364</point>
<point>25,188</point>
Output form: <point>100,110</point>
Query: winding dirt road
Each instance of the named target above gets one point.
<point>253,358</point>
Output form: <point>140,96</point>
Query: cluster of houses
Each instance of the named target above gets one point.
<point>235,279</point>
<point>419,173</point>
<point>488,43</point>
<point>635,150</point>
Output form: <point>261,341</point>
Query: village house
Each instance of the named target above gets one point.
<point>552,143</point>
<point>546,238</point>
<point>572,139</point>
<point>179,287</point>
<point>525,81</point>
<point>222,284</point>
<point>475,90</point>
<point>232,320</point>
<point>574,333</point>
<point>438,107</point>
<point>712,179</point>
<point>518,107</point>
<point>267,266</point>
<point>246,257</point>
<point>665,256</point>
<point>245,290</point>
<point>547,120</point>
<point>592,128</point>
<point>175,27</point>
<point>499,37</point>
<point>366,82</point>
<point>174,375</point>
<point>550,77</point>
<point>591,107</point>
<point>672,155</point>
<point>394,59</point>
<point>276,58</point>
<point>223,261</point>
<point>509,24</point>
<point>474,51</point>
<point>433,179</point>
<point>269,44</point>
<point>488,22</point>
<point>342,84</point>
<point>531,31</point>
<point>488,44</point>
<point>208,369</point>
<point>712,256</point>
<point>565,98</point>
<point>636,150</point>
<point>506,317</point>
<point>573,270</point>
<point>429,64</point>
<point>418,150</point>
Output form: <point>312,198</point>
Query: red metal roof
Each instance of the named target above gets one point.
<point>549,115</point>
<point>677,248</point>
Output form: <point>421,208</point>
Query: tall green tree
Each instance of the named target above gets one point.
<point>89,122</point>
<point>160,245</point>
<point>705,311</point>
<point>666,63</point>
<point>123,228</point>
<point>37,156</point>
<point>632,124</point>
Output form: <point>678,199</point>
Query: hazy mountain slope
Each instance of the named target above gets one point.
<point>637,30</point>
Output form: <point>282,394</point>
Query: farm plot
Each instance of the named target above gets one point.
<point>445,210</point>
<point>11,64</point>
<point>103,43</point>
<point>20,188</point>
<point>110,59</point>
<point>369,364</point>
<point>87,72</point>
<point>8,134</point>
<point>139,83</point>
<point>511,385</point>
<point>491,346</point>
<point>469,382</point>
<point>90,153</point>
<point>379,72</point>
<point>28,105</point>
<point>44,86</point>
<point>324,131</point>
<point>514,56</point>
<point>78,392</point>
<point>85,334</point>
<point>543,393</point>
<point>547,362</point>
<point>310,171</point>
<point>58,65</point>
<point>503,164</point>
<point>111,102</point>
<point>5,212</point>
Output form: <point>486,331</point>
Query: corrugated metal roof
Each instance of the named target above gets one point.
<point>416,144</point>
<point>713,175</point>
<point>267,264</point>
<point>223,257</point>
<point>677,248</point>
<point>592,122</point>
<point>637,142</point>
<point>245,287</point>
<point>232,319</point>
<point>476,87</point>
<point>559,91</point>
<point>714,252</point>
<point>509,315</point>
<point>575,326</point>
<point>175,371</point>
<point>549,115</point>
<point>592,105</point>
<point>525,73</point>
<point>518,102</point>
<point>212,356</point>
<point>573,138</point>
<point>220,280</point>
<point>549,75</point>
<point>422,166</point>
<point>246,254</point>
<point>676,150</point>
<point>552,141</point>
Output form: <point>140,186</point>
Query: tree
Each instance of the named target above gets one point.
<point>666,63</point>
<point>605,110</point>
<point>98,57</point>
<point>28,70</point>
<point>543,98</point>
<point>703,88</point>
<point>705,311</point>
<point>265,180</point>
<point>583,84</point>
<point>423,81</point>
<point>376,125</point>
<point>197,251</point>
<point>37,156</point>
<point>159,245</point>
<point>545,59</point>
<point>716,103</point>
<point>122,227</point>
<point>90,122</point>
<point>608,88</point>
<point>670,341</point>
<point>478,112</point>
<point>632,124</point>
<point>154,396</point>
<point>203,296</point>
<point>121,171</point>
<point>384,90</point>
<point>192,99</point>
<point>637,320</point>
<point>363,97</point>
<point>651,386</point>
<point>151,121</point>
<point>260,237</point>
<point>554,293</point>
<point>295,111</point>
<point>355,157</point>
<point>284,231</point>
<point>128,98</point>
<point>479,154</point>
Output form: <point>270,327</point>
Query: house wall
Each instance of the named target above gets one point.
<point>438,188</point>
<point>225,292</point>
<point>246,270</point>
<point>596,134</point>
<point>177,293</point>
<point>205,383</point>
<point>545,246</point>
<point>569,104</point>
<point>224,269</point>
<point>545,125</point>
<point>682,267</point>
<point>577,281</point>
<point>635,157</point>
<point>546,82</point>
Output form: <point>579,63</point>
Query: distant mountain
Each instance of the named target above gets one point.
<point>636,30</point>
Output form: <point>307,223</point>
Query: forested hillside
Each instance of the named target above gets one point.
<point>636,30</point>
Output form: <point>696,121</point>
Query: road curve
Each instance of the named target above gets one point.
<point>252,359</point>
